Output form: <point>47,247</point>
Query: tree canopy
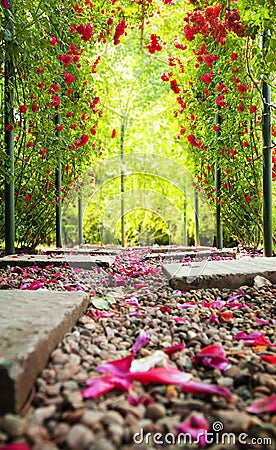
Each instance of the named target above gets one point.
<point>181,79</point>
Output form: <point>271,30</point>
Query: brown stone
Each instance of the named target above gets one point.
<point>32,324</point>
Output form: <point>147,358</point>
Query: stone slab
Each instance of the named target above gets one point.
<point>192,254</point>
<point>173,248</point>
<point>32,323</point>
<point>113,250</point>
<point>93,250</point>
<point>229,274</point>
<point>82,261</point>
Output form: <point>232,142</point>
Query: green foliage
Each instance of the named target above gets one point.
<point>54,52</point>
<point>217,78</point>
<point>78,98</point>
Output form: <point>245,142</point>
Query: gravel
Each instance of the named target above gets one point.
<point>137,295</point>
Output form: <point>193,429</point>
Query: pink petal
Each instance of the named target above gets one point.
<point>99,386</point>
<point>164,309</point>
<point>214,319</point>
<point>205,304</point>
<point>239,305</point>
<point>142,341</point>
<point>267,404</point>
<point>218,304</point>
<point>254,339</point>
<point>225,315</point>
<point>187,305</point>
<point>142,400</point>
<point>247,337</point>
<point>261,321</point>
<point>100,314</point>
<point>196,426</point>
<point>174,348</point>
<point>179,319</point>
<point>139,285</point>
<point>136,314</point>
<point>271,359</point>
<point>132,303</point>
<point>119,367</point>
<point>234,297</point>
<point>196,387</point>
<point>168,375</point>
<point>16,446</point>
<point>177,292</point>
<point>212,356</point>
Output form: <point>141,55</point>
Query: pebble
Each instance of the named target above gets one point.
<point>116,432</point>
<point>225,381</point>
<point>101,443</point>
<point>43,413</point>
<point>79,437</point>
<point>112,417</point>
<point>90,418</point>
<point>75,399</point>
<point>13,425</point>
<point>155,411</point>
<point>52,390</point>
<point>59,357</point>
<point>37,433</point>
<point>61,431</point>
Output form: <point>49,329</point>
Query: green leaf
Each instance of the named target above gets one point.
<point>100,303</point>
<point>111,298</point>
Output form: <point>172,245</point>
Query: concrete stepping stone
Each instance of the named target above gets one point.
<point>229,274</point>
<point>92,250</point>
<point>82,261</point>
<point>32,323</point>
<point>192,254</point>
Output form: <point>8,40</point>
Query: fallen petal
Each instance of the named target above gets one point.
<point>267,404</point>
<point>261,321</point>
<point>179,319</point>
<point>234,297</point>
<point>164,309</point>
<point>16,446</point>
<point>212,356</point>
<point>196,427</point>
<point>254,339</point>
<point>174,348</point>
<point>271,359</point>
<point>142,400</point>
<point>144,364</point>
<point>164,375</point>
<point>187,305</point>
<point>218,304</point>
<point>119,367</point>
<point>142,341</point>
<point>214,319</point>
<point>196,387</point>
<point>99,386</point>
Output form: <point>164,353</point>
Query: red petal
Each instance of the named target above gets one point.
<point>16,446</point>
<point>267,404</point>
<point>271,359</point>
<point>212,356</point>
<point>196,387</point>
<point>174,348</point>
<point>119,367</point>
<point>168,375</point>
<point>142,341</point>
<point>99,386</point>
